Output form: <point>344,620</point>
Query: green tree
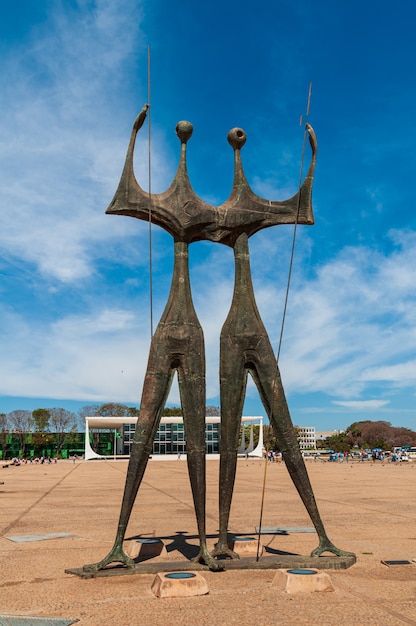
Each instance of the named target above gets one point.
<point>212,411</point>
<point>354,435</point>
<point>41,436</point>
<point>247,434</point>
<point>64,424</point>
<point>379,434</point>
<point>20,422</point>
<point>90,410</point>
<point>4,433</point>
<point>109,409</point>
<point>113,409</point>
<point>269,439</point>
<point>40,418</point>
<point>172,412</point>
<point>321,444</point>
<point>338,442</point>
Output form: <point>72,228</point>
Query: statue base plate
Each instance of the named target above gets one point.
<point>287,561</point>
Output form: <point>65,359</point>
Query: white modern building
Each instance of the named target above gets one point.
<point>170,437</point>
<point>306,437</point>
<point>321,435</point>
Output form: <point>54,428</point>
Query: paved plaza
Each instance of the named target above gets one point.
<point>368,508</point>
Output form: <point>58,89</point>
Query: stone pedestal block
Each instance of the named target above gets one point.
<point>302,580</point>
<point>245,546</point>
<point>145,548</point>
<point>179,585</point>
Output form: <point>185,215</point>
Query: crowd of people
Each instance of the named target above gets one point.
<point>341,457</point>
<point>374,455</point>
<point>36,460</point>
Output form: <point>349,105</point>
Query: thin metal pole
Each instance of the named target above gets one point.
<point>286,302</point>
<point>292,254</point>
<point>262,505</point>
<point>150,191</point>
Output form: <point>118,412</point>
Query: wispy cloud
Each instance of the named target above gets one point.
<point>83,356</point>
<point>352,326</point>
<point>359,405</point>
<point>62,152</point>
<point>74,282</point>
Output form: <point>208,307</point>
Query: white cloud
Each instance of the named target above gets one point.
<point>349,328</point>
<point>345,334</point>
<point>401,375</point>
<point>94,356</point>
<point>360,405</point>
<point>62,148</point>
<point>66,119</point>
<point>354,323</point>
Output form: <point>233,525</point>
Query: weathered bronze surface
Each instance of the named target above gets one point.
<point>178,343</point>
<point>249,563</point>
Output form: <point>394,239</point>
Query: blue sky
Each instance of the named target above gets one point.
<point>74,282</point>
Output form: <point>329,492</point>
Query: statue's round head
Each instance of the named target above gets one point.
<point>237,138</point>
<point>184,130</point>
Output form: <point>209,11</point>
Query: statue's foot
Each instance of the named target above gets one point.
<point>115,556</point>
<point>222,550</point>
<point>206,558</point>
<point>327,546</point>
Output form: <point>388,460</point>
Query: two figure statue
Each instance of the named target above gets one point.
<point>178,343</point>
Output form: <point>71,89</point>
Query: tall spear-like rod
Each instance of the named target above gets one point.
<point>292,254</point>
<point>149,172</point>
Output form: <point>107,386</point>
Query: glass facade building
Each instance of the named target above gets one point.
<point>170,438</point>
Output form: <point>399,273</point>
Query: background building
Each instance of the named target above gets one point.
<point>169,439</point>
<point>322,435</point>
<point>306,437</point>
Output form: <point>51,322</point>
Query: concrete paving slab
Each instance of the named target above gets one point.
<point>25,538</point>
<point>30,620</point>
<point>277,530</point>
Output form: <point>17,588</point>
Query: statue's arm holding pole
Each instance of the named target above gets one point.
<point>245,211</point>
<point>130,198</point>
<point>298,208</point>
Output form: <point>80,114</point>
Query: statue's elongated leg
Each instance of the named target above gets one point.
<point>288,444</point>
<point>155,392</point>
<point>191,378</point>
<point>267,378</point>
<point>233,378</point>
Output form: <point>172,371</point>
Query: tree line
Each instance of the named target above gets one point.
<point>367,434</point>
<point>41,429</point>
<point>53,428</point>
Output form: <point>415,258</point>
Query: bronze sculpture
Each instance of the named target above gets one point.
<point>177,345</point>
<point>178,342</point>
<point>245,347</point>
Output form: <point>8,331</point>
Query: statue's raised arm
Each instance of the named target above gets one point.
<point>244,211</point>
<point>178,210</point>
